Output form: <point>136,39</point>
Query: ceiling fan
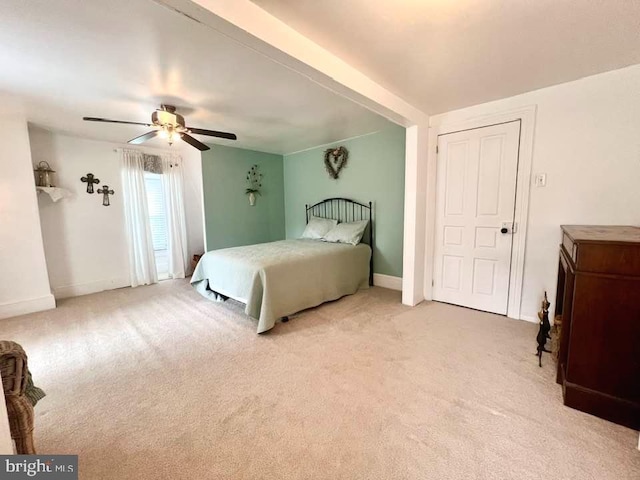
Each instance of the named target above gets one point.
<point>170,125</point>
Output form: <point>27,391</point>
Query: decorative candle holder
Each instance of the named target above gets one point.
<point>44,175</point>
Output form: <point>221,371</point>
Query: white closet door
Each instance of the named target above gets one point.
<point>476,189</point>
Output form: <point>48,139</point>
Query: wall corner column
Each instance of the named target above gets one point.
<point>413,266</point>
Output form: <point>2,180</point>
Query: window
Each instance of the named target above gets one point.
<point>158,220</point>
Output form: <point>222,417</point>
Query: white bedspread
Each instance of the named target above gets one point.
<point>281,278</point>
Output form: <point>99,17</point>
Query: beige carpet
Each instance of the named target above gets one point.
<point>159,383</point>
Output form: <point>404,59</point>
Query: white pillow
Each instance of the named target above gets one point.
<point>318,227</point>
<point>347,232</point>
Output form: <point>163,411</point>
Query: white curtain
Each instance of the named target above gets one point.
<point>142,263</point>
<point>172,180</point>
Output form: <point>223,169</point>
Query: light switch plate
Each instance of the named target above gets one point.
<point>541,180</point>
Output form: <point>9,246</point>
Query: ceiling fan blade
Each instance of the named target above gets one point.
<point>144,138</point>
<point>106,120</point>
<point>212,133</point>
<point>193,142</point>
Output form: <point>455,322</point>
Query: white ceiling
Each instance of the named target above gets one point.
<point>445,54</point>
<point>120,59</point>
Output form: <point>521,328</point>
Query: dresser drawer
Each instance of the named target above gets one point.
<point>608,250</point>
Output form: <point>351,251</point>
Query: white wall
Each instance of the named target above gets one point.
<point>587,141</point>
<point>24,287</point>
<point>193,200</point>
<point>85,242</point>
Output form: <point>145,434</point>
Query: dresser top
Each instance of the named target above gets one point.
<point>602,233</point>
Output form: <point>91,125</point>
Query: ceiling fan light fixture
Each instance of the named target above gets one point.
<point>174,137</point>
<point>169,134</point>
<point>170,126</point>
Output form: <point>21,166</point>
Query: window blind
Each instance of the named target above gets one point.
<point>157,210</point>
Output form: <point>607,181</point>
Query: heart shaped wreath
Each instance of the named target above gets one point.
<point>335,159</point>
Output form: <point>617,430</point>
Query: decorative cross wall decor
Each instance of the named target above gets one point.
<point>105,194</point>
<point>90,180</point>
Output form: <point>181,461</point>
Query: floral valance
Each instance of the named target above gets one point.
<point>152,163</point>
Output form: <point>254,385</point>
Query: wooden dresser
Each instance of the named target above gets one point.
<point>598,304</point>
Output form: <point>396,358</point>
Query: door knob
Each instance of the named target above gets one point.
<point>504,230</point>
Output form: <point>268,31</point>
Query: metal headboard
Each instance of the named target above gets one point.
<point>346,210</point>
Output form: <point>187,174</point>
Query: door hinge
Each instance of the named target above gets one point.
<point>437,149</point>
<point>514,228</point>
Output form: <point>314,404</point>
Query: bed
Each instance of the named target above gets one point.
<point>278,279</point>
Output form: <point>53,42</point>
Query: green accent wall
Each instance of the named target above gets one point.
<point>229,219</point>
<point>374,172</point>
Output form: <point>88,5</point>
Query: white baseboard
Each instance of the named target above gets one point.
<point>67,291</point>
<point>527,318</point>
<point>31,305</point>
<point>387,281</point>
